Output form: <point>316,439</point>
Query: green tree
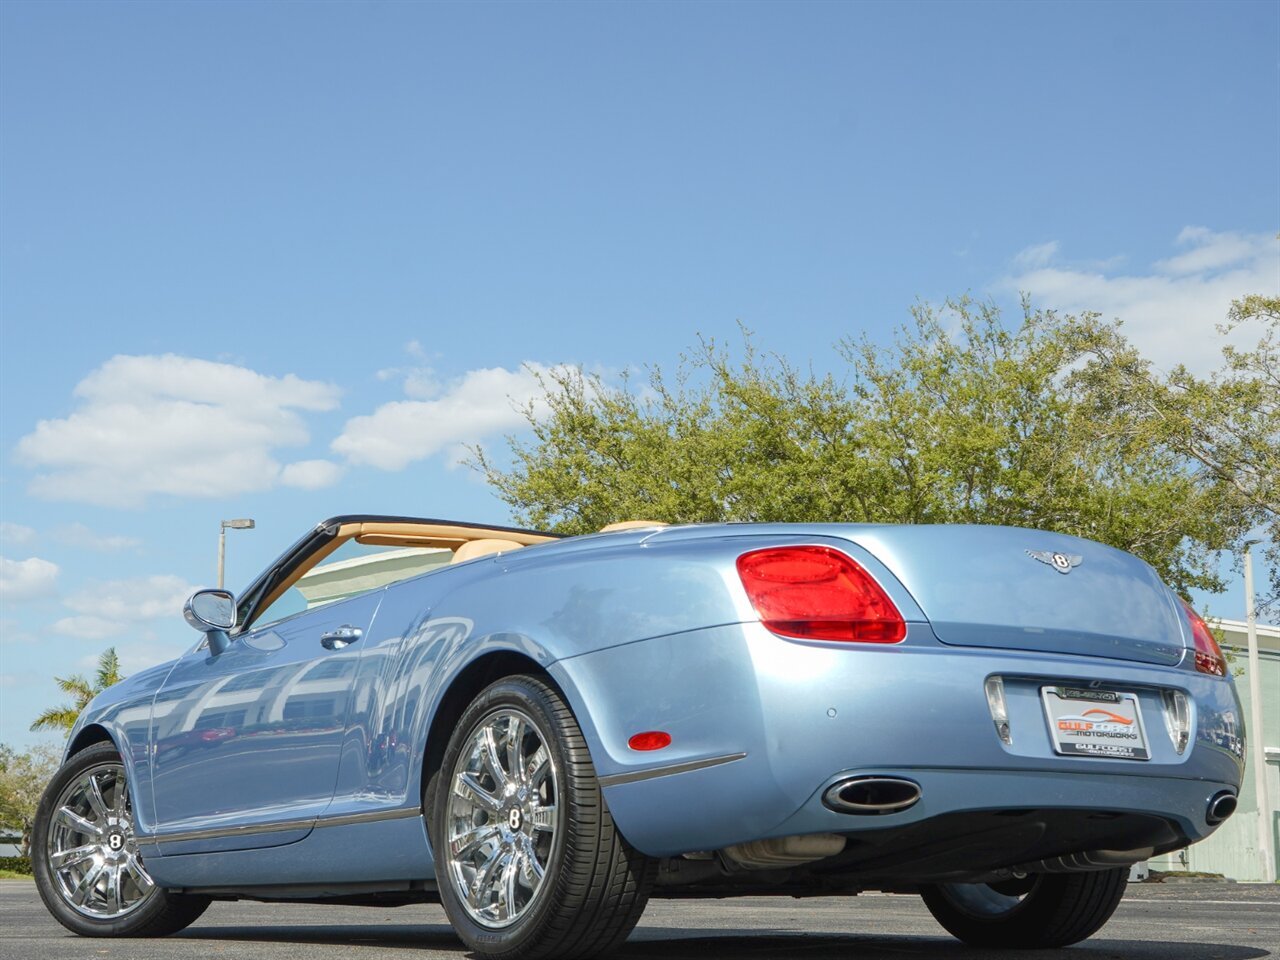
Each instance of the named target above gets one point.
<point>962,419</point>
<point>1225,427</point>
<point>22,780</point>
<point>82,691</point>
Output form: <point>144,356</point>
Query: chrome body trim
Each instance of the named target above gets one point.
<point>280,826</point>
<point>651,773</point>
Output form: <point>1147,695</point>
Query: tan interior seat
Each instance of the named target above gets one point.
<point>632,525</point>
<point>481,548</point>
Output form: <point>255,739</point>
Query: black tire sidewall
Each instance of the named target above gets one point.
<point>46,884</point>
<point>534,699</point>
<point>969,926</point>
<point>1049,916</point>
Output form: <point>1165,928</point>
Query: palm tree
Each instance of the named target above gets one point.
<point>64,717</point>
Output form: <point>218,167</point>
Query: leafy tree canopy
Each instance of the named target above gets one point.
<point>22,780</point>
<point>1056,422</point>
<point>82,691</point>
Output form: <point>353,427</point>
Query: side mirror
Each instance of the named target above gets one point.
<point>212,612</point>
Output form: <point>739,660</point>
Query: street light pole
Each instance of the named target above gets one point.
<point>1258,760</point>
<point>222,543</point>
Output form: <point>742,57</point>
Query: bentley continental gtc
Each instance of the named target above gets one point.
<point>541,733</point>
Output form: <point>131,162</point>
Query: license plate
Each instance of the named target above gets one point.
<point>1095,723</point>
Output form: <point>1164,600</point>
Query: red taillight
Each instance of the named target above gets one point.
<point>816,593</point>
<point>1209,658</point>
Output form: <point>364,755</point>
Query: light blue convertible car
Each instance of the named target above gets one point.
<point>542,733</point>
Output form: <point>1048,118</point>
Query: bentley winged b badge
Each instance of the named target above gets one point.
<point>1062,562</point>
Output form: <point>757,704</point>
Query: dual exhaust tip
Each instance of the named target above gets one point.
<point>871,796</point>
<point>1221,806</point>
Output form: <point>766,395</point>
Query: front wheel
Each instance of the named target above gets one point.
<point>85,856</point>
<point>527,857</point>
<point>1038,911</point>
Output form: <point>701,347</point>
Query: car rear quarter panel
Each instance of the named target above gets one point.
<point>541,603</point>
<point>546,604</point>
<point>805,714</point>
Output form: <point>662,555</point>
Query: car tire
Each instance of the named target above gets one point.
<point>1041,911</point>
<point>85,859</point>
<point>528,860</point>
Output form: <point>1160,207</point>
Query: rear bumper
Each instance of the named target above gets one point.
<point>803,716</point>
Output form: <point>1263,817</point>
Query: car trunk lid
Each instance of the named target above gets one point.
<point>1017,589</point>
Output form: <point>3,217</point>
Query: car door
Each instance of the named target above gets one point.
<point>246,743</point>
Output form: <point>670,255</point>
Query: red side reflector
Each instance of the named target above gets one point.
<point>650,740</point>
<point>1209,658</point>
<point>817,593</point>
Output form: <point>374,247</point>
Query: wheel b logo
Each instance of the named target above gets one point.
<point>115,841</point>
<point>513,818</point>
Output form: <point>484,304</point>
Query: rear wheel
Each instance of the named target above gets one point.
<point>1042,910</point>
<point>527,857</point>
<point>85,857</point>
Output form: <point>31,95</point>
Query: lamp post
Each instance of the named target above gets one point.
<point>1256,740</point>
<point>222,543</point>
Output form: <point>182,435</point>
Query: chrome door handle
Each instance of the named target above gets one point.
<point>339,638</point>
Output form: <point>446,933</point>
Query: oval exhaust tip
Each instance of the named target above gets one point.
<point>1221,806</point>
<point>872,795</point>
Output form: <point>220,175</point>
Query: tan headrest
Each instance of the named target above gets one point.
<point>632,525</point>
<point>480,548</point>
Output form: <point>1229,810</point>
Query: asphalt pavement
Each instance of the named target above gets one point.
<point>1170,921</point>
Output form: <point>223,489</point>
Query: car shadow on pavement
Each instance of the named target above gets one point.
<point>387,935</point>
<point>685,944</point>
<point>659,943</point>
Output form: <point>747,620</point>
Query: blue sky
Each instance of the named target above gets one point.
<point>280,260</point>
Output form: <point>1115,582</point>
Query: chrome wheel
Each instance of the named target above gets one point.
<point>91,851</point>
<point>501,817</point>
<point>527,856</point>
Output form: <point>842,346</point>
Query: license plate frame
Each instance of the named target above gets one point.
<point>1105,724</point>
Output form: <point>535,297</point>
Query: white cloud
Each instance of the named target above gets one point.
<point>134,656</point>
<point>12,632</point>
<point>1171,311</point>
<point>89,627</point>
<point>311,474</point>
<point>1212,251</point>
<point>130,600</point>
<point>420,383</point>
<point>26,579</point>
<point>139,656</point>
<point>479,404</point>
<point>80,536</point>
<point>15,534</point>
<point>171,425</point>
<point>419,380</point>
<point>107,609</point>
<point>1036,256</point>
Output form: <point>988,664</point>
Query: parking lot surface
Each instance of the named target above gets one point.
<point>1170,921</point>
